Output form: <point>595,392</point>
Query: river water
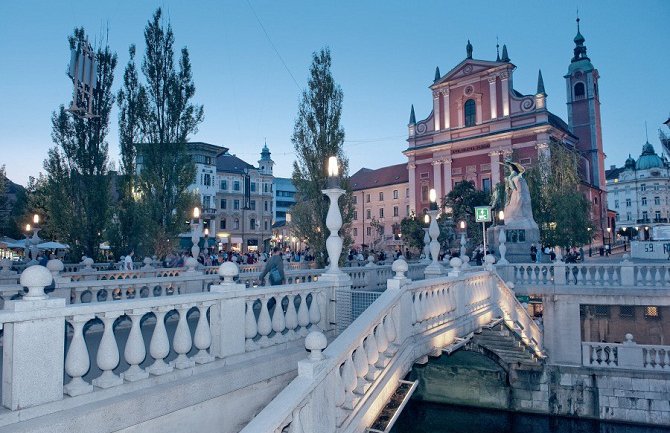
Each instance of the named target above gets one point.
<point>423,417</point>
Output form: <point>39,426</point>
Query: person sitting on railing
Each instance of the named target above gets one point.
<point>274,267</point>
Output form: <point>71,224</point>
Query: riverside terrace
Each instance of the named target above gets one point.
<point>194,352</point>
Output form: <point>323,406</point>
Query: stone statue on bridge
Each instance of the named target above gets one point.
<point>520,230</point>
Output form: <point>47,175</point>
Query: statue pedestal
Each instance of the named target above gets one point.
<point>519,239</point>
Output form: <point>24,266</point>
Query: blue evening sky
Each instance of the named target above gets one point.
<point>384,58</point>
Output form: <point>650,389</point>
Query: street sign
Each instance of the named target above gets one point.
<point>483,214</point>
<point>523,298</point>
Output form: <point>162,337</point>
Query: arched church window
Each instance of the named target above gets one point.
<point>580,90</point>
<point>470,112</point>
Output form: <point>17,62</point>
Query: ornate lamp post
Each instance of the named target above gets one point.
<point>26,243</point>
<point>434,267</point>
<point>195,232</point>
<point>462,226</point>
<point>502,238</point>
<point>333,218</point>
<point>426,238</point>
<point>35,240</point>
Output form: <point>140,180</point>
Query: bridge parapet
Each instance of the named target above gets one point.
<point>347,390</point>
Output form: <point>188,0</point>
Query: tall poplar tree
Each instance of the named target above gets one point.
<point>318,135</point>
<point>166,124</point>
<point>77,168</point>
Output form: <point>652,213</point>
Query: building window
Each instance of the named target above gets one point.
<point>406,192</point>
<point>236,185</point>
<point>407,211</point>
<point>206,200</point>
<point>645,216</point>
<point>265,206</point>
<point>236,204</point>
<point>368,214</point>
<point>252,223</point>
<point>355,232</point>
<point>616,217</point>
<point>224,203</point>
<point>355,199</point>
<point>381,196</point>
<point>652,312</point>
<point>224,185</point>
<point>657,200</point>
<point>381,212</point>
<point>253,204</point>
<point>643,187</point>
<point>237,224</point>
<point>657,215</point>
<point>265,187</point>
<point>470,112</point>
<point>253,186</point>
<point>580,90</point>
<point>486,185</point>
<point>266,225</point>
<point>424,193</point>
<point>207,179</point>
<point>602,310</point>
<point>395,194</point>
<point>627,311</point>
<point>616,204</point>
<point>367,198</point>
<point>355,216</point>
<point>628,202</point>
<point>644,201</point>
<point>222,224</point>
<point>395,211</point>
<point>628,216</point>
<point>368,231</point>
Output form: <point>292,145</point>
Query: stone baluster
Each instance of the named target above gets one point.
<point>361,365</point>
<point>182,342</point>
<point>77,362</point>
<point>159,348</point>
<point>303,314</point>
<point>315,311</point>
<point>649,279</point>
<point>291,317</point>
<point>108,352</point>
<point>202,339</point>
<point>659,280</point>
<point>264,323</point>
<point>135,351</point>
<point>250,326</point>
<point>372,353</point>
<point>340,395</point>
<point>382,345</point>
<point>350,380</point>
<point>417,307</point>
<point>278,320</point>
<point>391,333</point>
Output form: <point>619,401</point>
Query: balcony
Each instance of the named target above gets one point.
<point>649,221</point>
<point>209,211</point>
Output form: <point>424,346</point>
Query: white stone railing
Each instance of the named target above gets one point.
<point>625,274</point>
<point>626,355</point>
<point>344,389</point>
<point>229,320</point>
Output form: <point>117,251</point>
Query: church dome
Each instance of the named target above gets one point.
<point>649,158</point>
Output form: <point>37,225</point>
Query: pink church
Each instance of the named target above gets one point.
<point>479,119</point>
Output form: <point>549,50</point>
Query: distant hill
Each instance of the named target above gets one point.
<point>12,208</point>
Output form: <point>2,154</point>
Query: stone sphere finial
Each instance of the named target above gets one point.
<point>490,259</point>
<point>147,261</point>
<point>229,271</point>
<point>88,263</point>
<point>35,278</point>
<point>399,267</point>
<point>629,339</point>
<point>55,266</point>
<point>510,284</point>
<point>456,262</point>
<point>371,260</point>
<point>315,342</point>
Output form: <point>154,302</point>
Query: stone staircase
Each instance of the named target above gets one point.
<point>501,342</point>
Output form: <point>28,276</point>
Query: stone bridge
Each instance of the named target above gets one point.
<point>207,350</point>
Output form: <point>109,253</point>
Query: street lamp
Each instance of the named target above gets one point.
<point>333,217</point>
<point>501,216</point>
<point>463,226</point>
<point>195,232</point>
<point>35,239</point>
<point>434,267</point>
<point>426,238</point>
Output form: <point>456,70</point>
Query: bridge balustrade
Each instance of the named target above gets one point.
<point>627,355</point>
<point>346,389</point>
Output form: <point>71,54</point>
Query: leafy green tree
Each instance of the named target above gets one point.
<point>462,201</point>
<point>77,181</point>
<point>165,124</point>
<point>559,207</point>
<point>318,135</point>
<point>411,228</point>
<point>129,228</point>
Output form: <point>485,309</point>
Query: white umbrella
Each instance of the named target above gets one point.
<point>53,246</point>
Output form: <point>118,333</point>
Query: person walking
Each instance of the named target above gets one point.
<point>129,261</point>
<point>533,253</point>
<point>275,268</point>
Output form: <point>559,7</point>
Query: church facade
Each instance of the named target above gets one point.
<point>479,119</point>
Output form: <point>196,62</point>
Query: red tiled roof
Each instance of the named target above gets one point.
<point>366,178</point>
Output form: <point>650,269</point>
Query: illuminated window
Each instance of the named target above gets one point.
<point>470,109</point>
<point>651,312</point>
